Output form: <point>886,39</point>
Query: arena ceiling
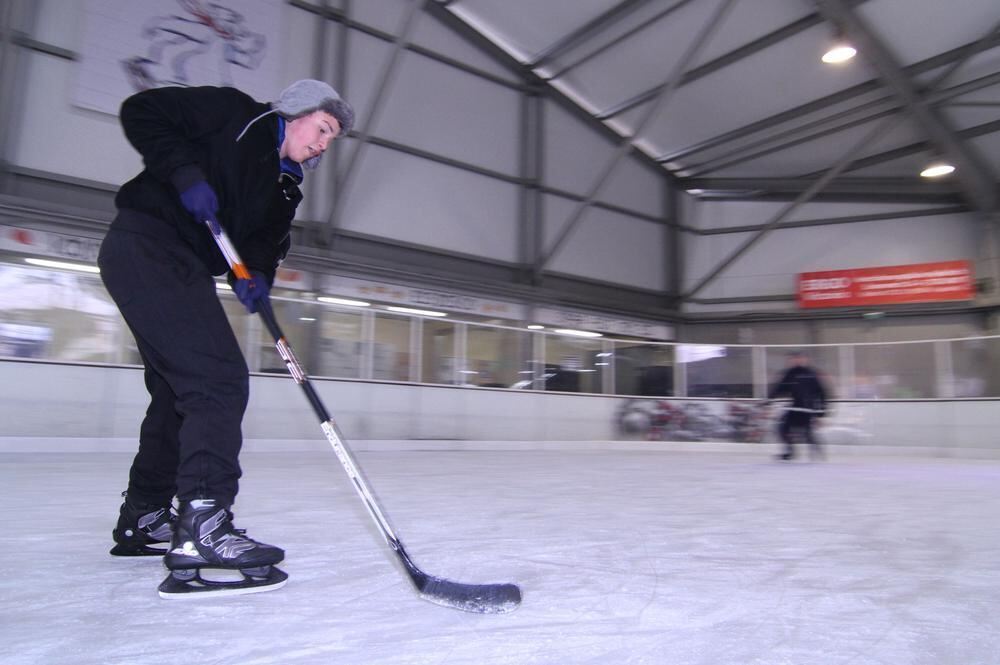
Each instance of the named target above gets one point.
<point>732,99</point>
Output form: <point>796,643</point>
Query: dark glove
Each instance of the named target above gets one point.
<point>200,200</point>
<point>253,292</point>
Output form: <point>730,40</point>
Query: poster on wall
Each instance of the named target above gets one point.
<point>133,45</point>
<point>885,285</point>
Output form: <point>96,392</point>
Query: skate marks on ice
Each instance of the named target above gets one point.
<point>623,557</point>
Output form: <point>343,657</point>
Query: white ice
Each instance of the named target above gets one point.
<point>624,557</point>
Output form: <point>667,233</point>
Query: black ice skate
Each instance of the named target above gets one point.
<point>205,540</point>
<point>142,526</point>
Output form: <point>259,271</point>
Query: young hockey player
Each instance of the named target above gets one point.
<point>211,156</point>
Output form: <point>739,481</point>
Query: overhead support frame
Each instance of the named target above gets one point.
<point>972,171</point>
<point>625,142</point>
<point>587,31</point>
<point>845,160</point>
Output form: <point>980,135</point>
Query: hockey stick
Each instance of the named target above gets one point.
<point>481,598</point>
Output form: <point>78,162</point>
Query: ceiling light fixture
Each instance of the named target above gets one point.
<point>937,169</point>
<point>840,51</point>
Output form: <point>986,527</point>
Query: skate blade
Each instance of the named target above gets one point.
<point>138,550</point>
<point>220,582</point>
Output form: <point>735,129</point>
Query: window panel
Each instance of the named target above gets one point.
<point>571,365</point>
<point>497,356</point>
<point>894,371</point>
<point>340,343</point>
<point>976,367</point>
<point>717,371</point>
<point>391,348</point>
<point>438,361</point>
<point>643,369</point>
<point>56,315</point>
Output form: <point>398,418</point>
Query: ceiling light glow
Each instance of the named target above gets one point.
<point>840,52</point>
<point>937,170</point>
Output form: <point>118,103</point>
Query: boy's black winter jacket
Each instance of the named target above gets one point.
<point>189,134</point>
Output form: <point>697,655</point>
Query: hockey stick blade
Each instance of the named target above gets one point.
<point>477,598</point>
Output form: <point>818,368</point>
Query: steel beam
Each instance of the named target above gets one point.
<point>830,221</point>
<point>529,230</point>
<point>588,30</point>
<point>8,56</point>
<point>674,246</point>
<point>343,17</point>
<point>973,104</point>
<point>653,20</point>
<point>902,187</point>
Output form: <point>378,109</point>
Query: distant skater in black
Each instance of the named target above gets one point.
<point>801,383</point>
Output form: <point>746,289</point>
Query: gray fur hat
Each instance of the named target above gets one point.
<point>308,95</point>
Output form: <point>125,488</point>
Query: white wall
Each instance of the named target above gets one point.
<point>575,156</point>
<point>411,200</point>
<point>54,136</point>
<point>47,401</point>
<point>399,198</point>
<point>606,245</point>
<point>770,267</point>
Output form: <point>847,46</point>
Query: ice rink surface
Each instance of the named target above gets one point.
<point>624,557</point>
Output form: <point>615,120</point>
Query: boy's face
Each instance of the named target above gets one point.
<point>309,136</point>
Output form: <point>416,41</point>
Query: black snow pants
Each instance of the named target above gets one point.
<point>801,421</point>
<point>197,378</point>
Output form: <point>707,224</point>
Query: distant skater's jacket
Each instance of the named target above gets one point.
<point>804,387</point>
<point>189,134</point>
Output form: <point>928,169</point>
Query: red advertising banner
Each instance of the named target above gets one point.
<point>885,285</point>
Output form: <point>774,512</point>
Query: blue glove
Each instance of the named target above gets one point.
<point>200,200</point>
<point>252,292</point>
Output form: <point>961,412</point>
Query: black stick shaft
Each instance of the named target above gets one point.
<point>285,350</point>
